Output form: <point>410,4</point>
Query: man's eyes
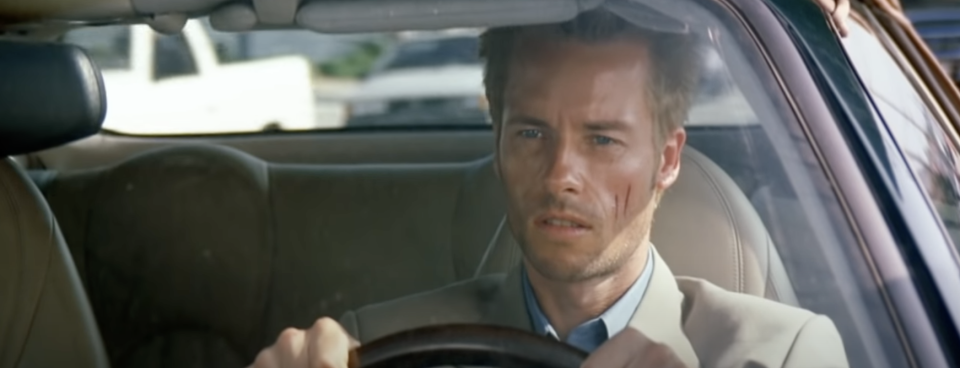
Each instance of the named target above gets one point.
<point>530,133</point>
<point>600,140</point>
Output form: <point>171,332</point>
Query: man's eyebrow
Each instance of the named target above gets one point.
<point>527,120</point>
<point>605,125</point>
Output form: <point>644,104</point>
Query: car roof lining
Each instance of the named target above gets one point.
<point>329,16</point>
<point>335,16</point>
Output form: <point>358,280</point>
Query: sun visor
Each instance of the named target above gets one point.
<point>642,14</point>
<point>50,94</point>
<point>348,16</point>
<point>392,15</point>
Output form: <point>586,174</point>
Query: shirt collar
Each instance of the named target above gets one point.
<point>594,332</point>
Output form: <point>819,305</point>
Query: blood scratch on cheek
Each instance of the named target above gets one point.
<point>616,207</point>
<point>626,201</point>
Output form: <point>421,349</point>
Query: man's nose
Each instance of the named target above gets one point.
<point>564,170</point>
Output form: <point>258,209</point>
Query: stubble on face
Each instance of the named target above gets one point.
<point>603,261</point>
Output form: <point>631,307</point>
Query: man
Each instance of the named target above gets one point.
<point>588,118</point>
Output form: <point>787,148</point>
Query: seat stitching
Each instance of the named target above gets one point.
<point>737,252</point>
<point>36,306</point>
<point>768,278</point>
<point>8,194</point>
<point>274,249</point>
<point>17,211</point>
<point>490,246</point>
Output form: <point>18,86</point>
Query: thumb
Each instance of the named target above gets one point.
<point>840,15</point>
<point>353,359</point>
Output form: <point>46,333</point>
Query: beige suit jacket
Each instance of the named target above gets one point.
<point>706,326</point>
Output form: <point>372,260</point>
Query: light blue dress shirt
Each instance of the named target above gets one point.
<point>591,334</point>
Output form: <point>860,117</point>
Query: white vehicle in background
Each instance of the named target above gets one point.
<point>431,78</point>
<point>427,78</point>
<point>176,84</point>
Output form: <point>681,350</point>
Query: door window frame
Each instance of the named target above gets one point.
<point>871,23</point>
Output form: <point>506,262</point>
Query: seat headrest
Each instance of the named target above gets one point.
<point>706,227</point>
<point>50,94</point>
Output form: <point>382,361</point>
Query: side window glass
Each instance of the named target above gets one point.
<point>929,153</point>
<point>108,46</point>
<point>172,57</point>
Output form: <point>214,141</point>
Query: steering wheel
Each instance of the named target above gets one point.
<point>468,345</point>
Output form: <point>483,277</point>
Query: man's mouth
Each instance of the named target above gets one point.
<point>562,222</point>
<point>562,225</point>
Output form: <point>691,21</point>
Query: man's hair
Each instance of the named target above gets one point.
<point>672,80</point>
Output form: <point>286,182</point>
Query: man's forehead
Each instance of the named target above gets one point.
<point>590,82</point>
<point>556,33</point>
<point>535,54</point>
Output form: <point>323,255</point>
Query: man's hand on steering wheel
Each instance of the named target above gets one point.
<point>327,345</point>
<point>324,345</point>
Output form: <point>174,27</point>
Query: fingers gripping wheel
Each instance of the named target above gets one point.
<point>468,345</point>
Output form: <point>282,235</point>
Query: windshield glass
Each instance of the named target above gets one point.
<point>434,53</point>
<point>204,81</point>
<point>637,135</point>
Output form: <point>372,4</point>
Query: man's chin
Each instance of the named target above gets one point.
<point>566,276</point>
<point>559,270</point>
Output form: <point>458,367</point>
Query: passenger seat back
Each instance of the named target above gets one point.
<point>45,319</point>
<point>348,236</point>
<point>51,94</point>
<point>178,247</point>
<point>204,254</point>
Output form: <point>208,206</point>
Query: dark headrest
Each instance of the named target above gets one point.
<point>50,94</point>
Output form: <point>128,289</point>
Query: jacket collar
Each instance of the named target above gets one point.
<point>659,316</point>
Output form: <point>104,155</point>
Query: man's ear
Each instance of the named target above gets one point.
<point>670,153</point>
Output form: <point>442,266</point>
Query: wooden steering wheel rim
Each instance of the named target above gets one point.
<point>468,345</point>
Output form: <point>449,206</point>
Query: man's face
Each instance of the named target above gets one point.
<point>578,155</point>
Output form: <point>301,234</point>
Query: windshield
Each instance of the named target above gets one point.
<point>649,134</point>
<point>434,53</point>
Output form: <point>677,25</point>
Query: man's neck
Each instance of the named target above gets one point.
<point>569,304</point>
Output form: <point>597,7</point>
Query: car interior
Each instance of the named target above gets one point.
<point>197,251</point>
<point>44,307</point>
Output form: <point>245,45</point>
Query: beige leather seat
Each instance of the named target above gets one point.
<point>51,94</point>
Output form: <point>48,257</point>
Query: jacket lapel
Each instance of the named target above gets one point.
<point>660,314</point>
